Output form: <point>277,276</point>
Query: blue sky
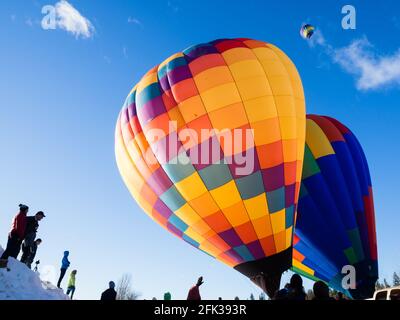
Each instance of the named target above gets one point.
<point>61,93</point>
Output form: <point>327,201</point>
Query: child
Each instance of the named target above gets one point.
<point>71,284</point>
<point>64,266</point>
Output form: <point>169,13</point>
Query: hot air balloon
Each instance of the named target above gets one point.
<point>307,31</point>
<point>335,224</point>
<point>248,94</point>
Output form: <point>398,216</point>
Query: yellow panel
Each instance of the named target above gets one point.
<point>174,56</point>
<point>252,88</point>
<point>191,187</point>
<point>278,221</point>
<point>260,108</point>
<point>289,150</point>
<point>212,78</point>
<point>300,107</point>
<point>201,227</point>
<point>281,85</point>
<point>175,115</point>
<point>146,81</point>
<point>223,118</point>
<point>192,108</point>
<point>288,127</point>
<point>221,96</point>
<point>266,131</point>
<point>210,249</point>
<point>234,55</point>
<point>262,227</point>
<point>194,235</point>
<point>226,195</point>
<point>236,214</point>
<point>265,54</point>
<point>286,106</point>
<point>246,69</point>
<point>317,141</point>
<point>302,267</point>
<point>256,207</point>
<point>274,68</point>
<point>280,241</point>
<point>187,214</point>
<point>289,236</point>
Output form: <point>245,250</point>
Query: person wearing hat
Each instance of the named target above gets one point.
<point>32,225</point>
<point>110,293</point>
<point>17,233</point>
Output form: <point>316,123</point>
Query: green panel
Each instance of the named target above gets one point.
<point>310,165</point>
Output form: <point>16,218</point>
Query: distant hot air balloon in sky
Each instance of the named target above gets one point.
<point>233,192</point>
<point>335,223</point>
<point>307,31</point>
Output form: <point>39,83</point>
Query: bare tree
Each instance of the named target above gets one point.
<point>124,289</point>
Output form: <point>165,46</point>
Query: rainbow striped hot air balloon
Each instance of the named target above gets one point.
<point>307,31</point>
<point>232,193</point>
<point>335,224</point>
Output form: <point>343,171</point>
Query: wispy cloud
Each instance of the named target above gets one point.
<point>173,6</point>
<point>13,17</point>
<point>107,59</point>
<point>29,22</point>
<point>125,52</point>
<point>135,21</point>
<point>372,71</point>
<point>71,20</point>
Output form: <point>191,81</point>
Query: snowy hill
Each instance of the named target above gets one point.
<point>21,283</point>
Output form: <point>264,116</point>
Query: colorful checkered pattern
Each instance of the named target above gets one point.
<point>335,223</point>
<point>224,84</point>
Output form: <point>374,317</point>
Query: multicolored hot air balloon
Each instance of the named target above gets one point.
<point>232,192</point>
<point>335,223</point>
<point>307,31</point>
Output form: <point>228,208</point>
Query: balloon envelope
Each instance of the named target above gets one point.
<point>335,224</point>
<point>307,31</point>
<point>232,193</point>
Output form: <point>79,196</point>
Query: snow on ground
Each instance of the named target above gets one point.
<point>21,283</point>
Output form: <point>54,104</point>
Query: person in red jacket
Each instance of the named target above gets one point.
<point>194,292</point>
<point>17,233</point>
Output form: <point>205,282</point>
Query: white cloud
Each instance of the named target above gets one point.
<point>134,21</point>
<point>70,19</point>
<point>172,5</point>
<point>29,22</point>
<point>372,71</point>
<point>317,39</point>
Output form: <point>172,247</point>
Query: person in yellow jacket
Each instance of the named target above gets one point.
<point>71,284</point>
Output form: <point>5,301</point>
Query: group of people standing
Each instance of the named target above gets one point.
<point>23,234</point>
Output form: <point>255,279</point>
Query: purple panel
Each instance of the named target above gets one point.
<point>200,51</point>
<point>290,195</point>
<point>179,74</point>
<point>164,83</point>
<point>124,116</point>
<point>132,110</point>
<point>256,249</point>
<point>205,154</point>
<point>231,238</point>
<point>235,162</point>
<point>234,255</point>
<point>274,178</point>
<point>152,109</point>
<point>174,230</point>
<point>159,181</point>
<point>162,209</point>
